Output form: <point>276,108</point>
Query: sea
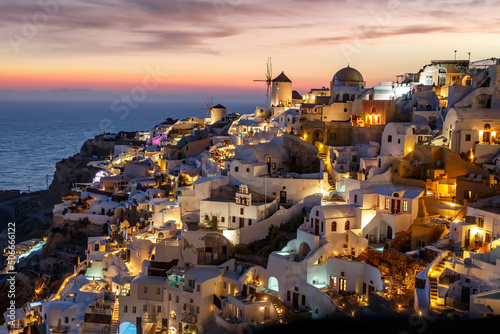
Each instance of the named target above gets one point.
<point>35,135</point>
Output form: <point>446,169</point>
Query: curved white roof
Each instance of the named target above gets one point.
<point>114,270</point>
<point>260,152</point>
<point>336,211</point>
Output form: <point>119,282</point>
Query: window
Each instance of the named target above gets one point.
<point>173,315</point>
<point>134,309</point>
<point>273,165</point>
<point>347,225</point>
<point>333,136</point>
<point>144,308</point>
<point>334,226</point>
<point>355,198</point>
<point>145,289</point>
<point>342,284</point>
<point>317,213</point>
<point>288,295</point>
<point>197,310</point>
<point>480,222</point>
<point>233,219</point>
<point>236,169</point>
<point>321,226</point>
<point>249,222</point>
<point>176,299</point>
<point>405,206</point>
<point>197,287</point>
<point>354,158</point>
<point>248,170</point>
<point>66,320</point>
<point>389,139</point>
<point>169,296</point>
<point>241,211</point>
<point>224,285</point>
<point>399,141</point>
<point>125,308</point>
<point>378,201</point>
<point>158,308</point>
<point>333,282</point>
<point>467,137</point>
<point>387,203</point>
<point>420,244</point>
<point>303,299</point>
<point>158,291</point>
<point>222,219</point>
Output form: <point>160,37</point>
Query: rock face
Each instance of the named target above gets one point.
<point>68,171</point>
<point>75,170</point>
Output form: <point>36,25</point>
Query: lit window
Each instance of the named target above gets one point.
<point>387,203</point>
<point>334,226</point>
<point>405,206</point>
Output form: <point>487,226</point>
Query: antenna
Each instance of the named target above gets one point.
<point>268,80</point>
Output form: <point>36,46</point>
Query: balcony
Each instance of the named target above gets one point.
<point>151,317</point>
<point>167,242</point>
<point>226,322</point>
<point>189,318</point>
<point>125,292</point>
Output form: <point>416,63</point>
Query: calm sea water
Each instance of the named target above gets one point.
<point>37,134</point>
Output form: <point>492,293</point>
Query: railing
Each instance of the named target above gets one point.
<point>151,317</point>
<point>100,309</point>
<point>167,242</point>
<point>189,318</point>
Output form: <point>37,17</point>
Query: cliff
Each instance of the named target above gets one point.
<point>75,170</point>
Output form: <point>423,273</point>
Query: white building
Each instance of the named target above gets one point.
<point>473,130</point>
<point>399,139</point>
<point>236,213</point>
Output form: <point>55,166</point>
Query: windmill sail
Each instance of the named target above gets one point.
<point>268,80</point>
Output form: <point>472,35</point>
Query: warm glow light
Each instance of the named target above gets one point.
<point>410,149</point>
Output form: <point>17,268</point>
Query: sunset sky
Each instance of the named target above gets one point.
<point>205,47</point>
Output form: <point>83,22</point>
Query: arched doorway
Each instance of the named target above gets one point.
<point>304,249</point>
<point>127,328</point>
<point>272,284</point>
<point>487,133</point>
<point>317,135</point>
<point>442,76</point>
<point>389,232</point>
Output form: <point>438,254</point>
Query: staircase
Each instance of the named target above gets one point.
<point>114,317</point>
<point>332,183</point>
<point>434,283</point>
<point>280,310</point>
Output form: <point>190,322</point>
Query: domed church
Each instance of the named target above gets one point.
<point>346,84</point>
<point>348,76</point>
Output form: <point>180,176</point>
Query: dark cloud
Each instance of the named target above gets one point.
<point>101,26</point>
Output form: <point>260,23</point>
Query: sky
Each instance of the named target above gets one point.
<point>219,47</point>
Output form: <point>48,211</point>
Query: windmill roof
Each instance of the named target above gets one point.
<point>296,95</point>
<point>219,106</point>
<point>282,78</point>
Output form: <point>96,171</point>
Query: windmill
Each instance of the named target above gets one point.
<point>268,80</point>
<point>209,103</point>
